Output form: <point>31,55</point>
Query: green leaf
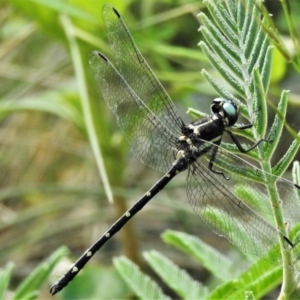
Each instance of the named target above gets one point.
<point>231,63</point>
<point>87,105</point>
<point>254,199</point>
<point>244,17</point>
<point>176,278</point>
<point>203,253</point>
<point>265,70</point>
<point>242,31</point>
<point>142,285</point>
<point>286,160</point>
<point>249,295</point>
<point>209,29</point>
<point>35,280</point>
<point>97,282</point>
<point>219,88</point>
<point>250,33</point>
<point>196,114</point>
<point>60,103</point>
<point>223,20</point>
<point>277,126</point>
<point>259,105</point>
<point>31,295</point>
<point>224,290</point>
<point>259,50</point>
<point>262,57</point>
<point>259,278</point>
<point>224,71</point>
<point>181,52</point>
<point>5,276</point>
<point>67,9</point>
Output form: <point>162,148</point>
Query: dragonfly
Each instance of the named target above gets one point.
<point>160,139</point>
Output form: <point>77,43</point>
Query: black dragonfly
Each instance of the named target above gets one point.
<point>161,140</point>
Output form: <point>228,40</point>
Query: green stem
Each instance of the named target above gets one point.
<point>288,283</point>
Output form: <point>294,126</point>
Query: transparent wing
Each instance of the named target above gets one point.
<point>135,70</point>
<point>150,141</point>
<point>247,181</point>
<point>226,215</point>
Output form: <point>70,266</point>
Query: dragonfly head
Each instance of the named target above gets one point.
<point>227,109</point>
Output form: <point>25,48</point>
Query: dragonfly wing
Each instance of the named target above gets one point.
<point>249,181</point>
<point>149,139</point>
<point>137,73</point>
<point>227,215</point>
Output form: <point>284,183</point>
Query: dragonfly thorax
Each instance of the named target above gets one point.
<point>224,114</point>
<point>192,143</point>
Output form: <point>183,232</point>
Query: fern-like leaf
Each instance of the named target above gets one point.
<point>27,289</point>
<point>142,285</point>
<point>203,253</point>
<point>240,51</point>
<point>177,279</point>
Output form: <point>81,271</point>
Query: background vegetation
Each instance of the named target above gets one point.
<point>55,183</point>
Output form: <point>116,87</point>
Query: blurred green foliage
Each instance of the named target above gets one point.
<point>51,191</point>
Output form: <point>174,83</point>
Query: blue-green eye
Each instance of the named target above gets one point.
<point>230,112</point>
<point>227,108</point>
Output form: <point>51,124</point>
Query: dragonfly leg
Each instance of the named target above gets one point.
<point>212,159</point>
<point>238,144</point>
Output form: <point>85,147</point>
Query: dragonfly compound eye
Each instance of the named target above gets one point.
<point>230,112</point>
